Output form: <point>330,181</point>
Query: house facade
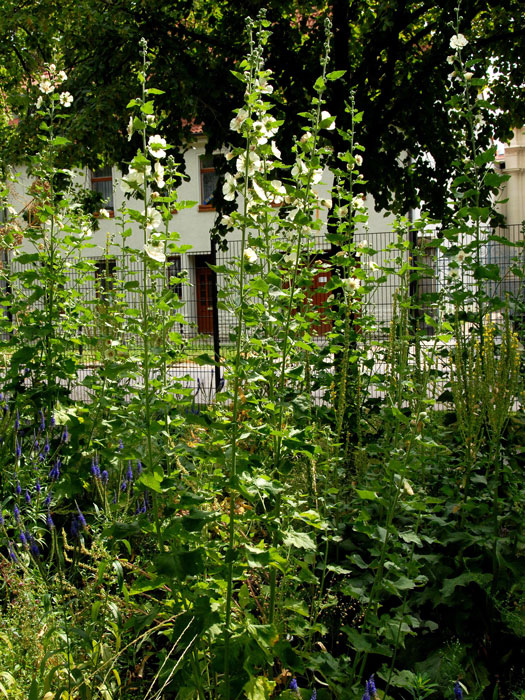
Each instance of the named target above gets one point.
<point>194,224</point>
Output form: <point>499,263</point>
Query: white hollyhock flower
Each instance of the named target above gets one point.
<point>351,284</point>
<point>157,146</point>
<point>130,128</point>
<point>299,168</point>
<point>66,99</point>
<point>155,252</point>
<point>327,115</point>
<point>254,163</point>
<point>229,187</point>
<point>276,152</point>
<point>134,179</point>
<point>250,255</point>
<point>451,59</point>
<point>153,218</point>
<point>46,86</point>
<point>280,191</point>
<point>259,192</point>
<point>238,120</point>
<point>469,76</point>
<point>358,159</point>
<point>227,220</point>
<point>104,213</point>
<point>39,101</point>
<point>62,76</point>
<point>317,176</point>
<point>458,41</point>
<point>261,133</point>
<point>262,85</point>
<point>159,175</point>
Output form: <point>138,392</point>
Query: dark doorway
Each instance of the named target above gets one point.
<point>204,293</point>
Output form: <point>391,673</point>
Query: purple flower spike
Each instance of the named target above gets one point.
<point>28,497</point>
<point>458,693</point>
<point>17,420</point>
<point>314,694</point>
<point>16,513</point>
<point>129,473</point>
<point>1,518</point>
<point>12,553</point>
<point>372,690</point>
<point>144,506</point>
<point>48,499</point>
<point>23,539</point>
<point>95,469</point>
<point>293,685</point>
<point>123,485</point>
<point>33,548</point>
<point>49,521</point>
<point>46,447</point>
<point>18,488</point>
<point>54,474</point>
<point>38,488</point>
<point>65,435</point>
<point>81,519</point>
<point>42,421</point>
<point>139,467</point>
<point>120,444</point>
<point>52,421</point>
<point>104,476</point>
<point>18,449</point>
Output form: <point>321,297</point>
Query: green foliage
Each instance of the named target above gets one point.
<point>341,508</point>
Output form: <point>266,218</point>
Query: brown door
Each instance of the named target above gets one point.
<point>203,279</point>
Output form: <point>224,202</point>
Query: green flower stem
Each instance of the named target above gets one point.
<point>146,329</point>
<point>235,408</point>
<point>286,346</point>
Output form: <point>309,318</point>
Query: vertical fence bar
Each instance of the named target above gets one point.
<point>215,317</point>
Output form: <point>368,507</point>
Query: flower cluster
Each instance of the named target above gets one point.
<point>50,80</point>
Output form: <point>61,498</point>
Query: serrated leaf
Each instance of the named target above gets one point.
<point>299,540</point>
<point>450,584</point>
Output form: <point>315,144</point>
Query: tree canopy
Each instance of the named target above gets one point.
<point>393,54</point>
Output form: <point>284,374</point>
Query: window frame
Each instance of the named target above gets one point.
<point>105,178</point>
<point>203,171</point>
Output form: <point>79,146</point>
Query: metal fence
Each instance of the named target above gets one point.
<point>110,284</point>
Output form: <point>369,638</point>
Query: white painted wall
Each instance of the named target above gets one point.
<point>193,224</point>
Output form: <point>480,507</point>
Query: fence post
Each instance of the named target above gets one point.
<point>215,316</point>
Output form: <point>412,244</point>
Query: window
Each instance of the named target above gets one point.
<point>209,180</point>
<point>102,181</point>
